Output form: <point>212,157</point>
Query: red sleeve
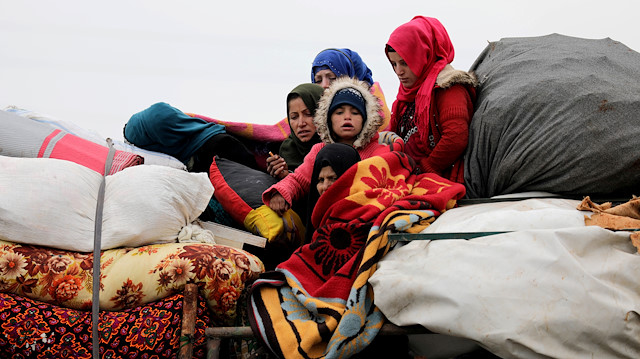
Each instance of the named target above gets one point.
<point>296,184</point>
<point>455,110</point>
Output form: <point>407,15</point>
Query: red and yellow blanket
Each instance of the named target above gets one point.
<point>318,304</point>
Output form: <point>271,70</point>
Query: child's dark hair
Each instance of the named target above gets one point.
<point>390,49</point>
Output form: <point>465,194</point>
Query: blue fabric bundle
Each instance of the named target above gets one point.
<point>163,128</point>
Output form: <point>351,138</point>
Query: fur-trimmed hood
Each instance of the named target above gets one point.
<point>370,125</point>
<point>450,76</point>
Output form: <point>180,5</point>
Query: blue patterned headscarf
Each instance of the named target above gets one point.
<point>343,62</point>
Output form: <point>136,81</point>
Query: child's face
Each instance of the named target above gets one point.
<point>326,177</point>
<point>346,123</point>
<point>405,75</point>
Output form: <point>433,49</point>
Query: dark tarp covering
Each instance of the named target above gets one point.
<point>556,114</point>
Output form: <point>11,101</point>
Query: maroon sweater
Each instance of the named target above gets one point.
<point>451,111</point>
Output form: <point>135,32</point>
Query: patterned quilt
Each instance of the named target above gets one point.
<point>129,277</point>
<point>32,329</point>
<point>318,303</point>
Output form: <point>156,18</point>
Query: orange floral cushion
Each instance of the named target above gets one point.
<point>129,277</point>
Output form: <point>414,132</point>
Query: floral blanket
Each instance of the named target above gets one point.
<point>318,303</point>
<point>129,277</point>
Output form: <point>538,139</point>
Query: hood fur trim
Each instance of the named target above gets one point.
<point>450,76</point>
<point>369,127</point>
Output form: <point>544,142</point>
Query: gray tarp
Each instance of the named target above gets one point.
<point>556,114</point>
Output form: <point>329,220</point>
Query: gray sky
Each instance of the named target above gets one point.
<point>96,64</point>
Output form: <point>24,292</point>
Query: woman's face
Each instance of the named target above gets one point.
<point>324,78</point>
<point>346,123</point>
<point>405,75</point>
<point>326,177</point>
<point>301,120</point>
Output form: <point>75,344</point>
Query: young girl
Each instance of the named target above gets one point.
<point>347,113</point>
<point>331,162</point>
<point>434,105</point>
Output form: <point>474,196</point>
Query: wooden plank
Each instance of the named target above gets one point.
<point>189,310</point>
<point>246,332</point>
<point>233,237</point>
<point>213,348</point>
<point>229,332</point>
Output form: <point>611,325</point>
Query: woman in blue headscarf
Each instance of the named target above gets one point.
<point>332,63</point>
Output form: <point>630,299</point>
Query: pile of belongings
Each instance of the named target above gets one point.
<point>64,192</point>
<point>556,114</point>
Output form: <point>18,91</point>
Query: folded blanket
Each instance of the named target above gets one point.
<point>252,131</point>
<point>318,303</point>
<point>23,137</point>
<point>129,277</point>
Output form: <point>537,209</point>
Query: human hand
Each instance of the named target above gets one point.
<point>277,166</point>
<point>278,204</point>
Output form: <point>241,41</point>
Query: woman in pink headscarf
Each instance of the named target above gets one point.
<point>434,105</point>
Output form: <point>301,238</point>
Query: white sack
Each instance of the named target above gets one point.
<point>560,293</point>
<point>52,203</point>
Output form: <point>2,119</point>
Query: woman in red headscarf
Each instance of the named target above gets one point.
<point>434,105</point>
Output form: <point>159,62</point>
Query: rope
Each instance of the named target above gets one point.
<point>186,340</point>
<point>97,244</point>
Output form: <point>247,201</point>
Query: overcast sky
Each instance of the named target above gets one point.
<point>96,64</point>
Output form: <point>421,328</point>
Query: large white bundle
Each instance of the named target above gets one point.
<point>53,203</point>
<point>566,291</point>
